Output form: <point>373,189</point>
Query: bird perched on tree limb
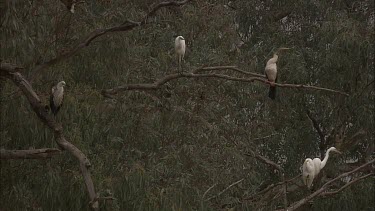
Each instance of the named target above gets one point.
<point>311,168</point>
<point>180,47</point>
<point>271,73</point>
<point>57,96</point>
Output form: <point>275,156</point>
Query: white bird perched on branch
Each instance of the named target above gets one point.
<point>311,168</point>
<point>271,73</point>
<point>180,47</point>
<point>57,96</point>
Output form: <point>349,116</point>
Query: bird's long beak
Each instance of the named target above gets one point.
<point>338,151</point>
<point>281,49</point>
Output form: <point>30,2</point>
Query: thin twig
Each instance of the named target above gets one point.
<point>227,188</point>
<point>205,193</point>
<point>347,185</point>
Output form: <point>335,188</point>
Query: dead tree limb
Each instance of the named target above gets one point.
<point>195,74</point>
<point>319,192</point>
<point>29,154</point>
<point>347,185</point>
<point>281,172</point>
<point>227,188</point>
<point>9,72</point>
<point>126,26</point>
<point>315,125</point>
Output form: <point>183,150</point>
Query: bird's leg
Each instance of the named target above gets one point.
<point>179,65</point>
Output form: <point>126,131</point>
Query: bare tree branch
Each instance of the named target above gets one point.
<point>325,186</point>
<point>281,172</point>
<point>347,185</point>
<point>28,154</point>
<point>316,125</point>
<point>227,188</point>
<point>126,26</point>
<point>159,82</point>
<point>9,72</point>
<point>234,68</point>
<point>208,190</point>
<point>264,160</point>
<point>250,198</point>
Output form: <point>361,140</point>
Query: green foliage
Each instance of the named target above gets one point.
<point>152,151</point>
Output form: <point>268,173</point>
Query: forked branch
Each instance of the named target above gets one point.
<point>9,71</point>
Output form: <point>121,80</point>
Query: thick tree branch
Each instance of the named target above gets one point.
<point>8,71</point>
<point>126,26</point>
<point>325,186</point>
<point>28,154</point>
<point>158,83</point>
<point>281,172</point>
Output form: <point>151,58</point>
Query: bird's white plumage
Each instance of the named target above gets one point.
<point>271,68</point>
<point>58,93</point>
<point>311,168</point>
<point>180,48</point>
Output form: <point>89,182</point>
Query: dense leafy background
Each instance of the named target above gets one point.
<point>161,150</point>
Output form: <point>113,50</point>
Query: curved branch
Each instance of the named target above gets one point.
<point>11,73</point>
<point>29,154</point>
<point>126,26</point>
<point>194,74</point>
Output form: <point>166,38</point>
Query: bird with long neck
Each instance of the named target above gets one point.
<point>57,96</point>
<point>180,48</point>
<point>271,72</point>
<point>311,168</point>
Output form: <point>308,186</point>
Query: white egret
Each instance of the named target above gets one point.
<point>311,168</point>
<point>271,73</point>
<point>57,96</point>
<point>180,47</point>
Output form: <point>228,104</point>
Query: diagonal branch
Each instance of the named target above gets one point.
<point>11,73</point>
<point>126,26</point>
<point>325,186</point>
<point>264,160</point>
<point>281,172</point>
<point>269,187</point>
<point>347,185</point>
<point>227,188</point>
<point>29,154</point>
<point>315,125</point>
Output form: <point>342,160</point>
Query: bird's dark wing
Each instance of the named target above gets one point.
<point>52,104</point>
<point>272,91</point>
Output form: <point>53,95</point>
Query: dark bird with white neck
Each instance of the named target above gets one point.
<point>271,73</point>
<point>57,96</point>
